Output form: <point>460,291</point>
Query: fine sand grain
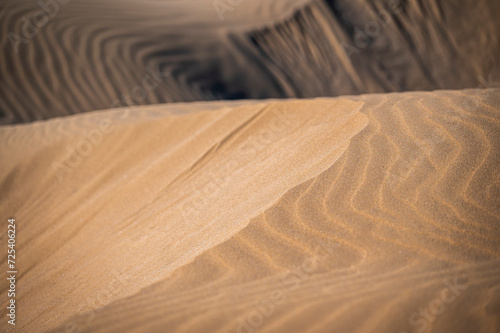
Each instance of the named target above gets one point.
<point>350,214</point>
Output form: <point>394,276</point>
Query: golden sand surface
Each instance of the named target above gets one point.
<point>373,213</point>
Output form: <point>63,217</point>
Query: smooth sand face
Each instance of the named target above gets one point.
<point>206,175</point>
<point>346,214</point>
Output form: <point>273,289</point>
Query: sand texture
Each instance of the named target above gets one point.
<point>348,214</point>
<point>100,54</point>
<point>248,166</point>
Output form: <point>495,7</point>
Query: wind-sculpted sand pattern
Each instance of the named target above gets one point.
<point>96,54</point>
<point>141,195</point>
<point>339,47</point>
<point>375,213</point>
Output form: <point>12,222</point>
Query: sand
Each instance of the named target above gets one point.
<point>264,166</point>
<point>323,215</point>
<point>96,54</point>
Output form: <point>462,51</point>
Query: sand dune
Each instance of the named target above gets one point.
<point>97,55</point>
<point>186,166</point>
<point>325,215</point>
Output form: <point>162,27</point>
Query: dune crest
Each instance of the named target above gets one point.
<point>399,234</point>
<point>376,202</point>
<point>206,174</point>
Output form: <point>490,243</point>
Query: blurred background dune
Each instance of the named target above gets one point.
<point>73,56</point>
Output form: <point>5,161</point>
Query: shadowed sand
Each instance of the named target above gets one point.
<point>345,214</point>
<point>97,54</point>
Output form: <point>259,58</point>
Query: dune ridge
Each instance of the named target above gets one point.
<point>331,209</point>
<point>381,234</point>
<point>193,167</point>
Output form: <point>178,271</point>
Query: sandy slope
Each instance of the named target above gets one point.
<point>346,214</point>
<point>165,189</point>
<point>95,54</point>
